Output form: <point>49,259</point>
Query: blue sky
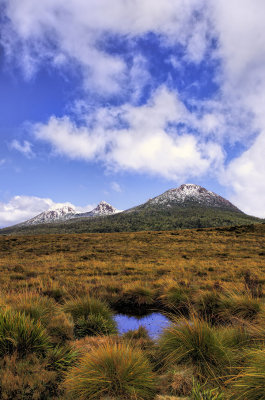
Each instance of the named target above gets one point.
<point>121,101</point>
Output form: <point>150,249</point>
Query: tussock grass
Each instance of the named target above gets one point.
<point>250,384</point>
<point>210,306</point>
<point>60,328</point>
<point>201,393</point>
<point>91,317</point>
<point>82,307</point>
<point>196,344</point>
<point>114,370</point>
<point>19,333</point>
<point>177,299</point>
<point>135,300</point>
<point>140,338</point>
<point>37,307</point>
<point>60,358</point>
<point>241,306</point>
<point>93,325</point>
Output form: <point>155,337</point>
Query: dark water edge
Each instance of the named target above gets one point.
<point>154,323</point>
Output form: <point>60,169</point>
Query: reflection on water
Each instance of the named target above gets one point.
<point>154,323</point>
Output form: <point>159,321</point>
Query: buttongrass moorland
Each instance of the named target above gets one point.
<point>60,293</point>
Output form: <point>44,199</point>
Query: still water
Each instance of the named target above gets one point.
<point>154,323</point>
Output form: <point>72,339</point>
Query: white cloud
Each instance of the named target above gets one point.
<point>116,187</point>
<point>241,37</point>
<point>2,162</point>
<point>86,208</point>
<point>25,148</point>
<point>136,139</point>
<point>75,31</point>
<point>68,139</point>
<point>21,208</point>
<point>245,175</point>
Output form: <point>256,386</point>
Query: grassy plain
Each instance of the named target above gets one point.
<point>213,277</point>
<point>89,263</point>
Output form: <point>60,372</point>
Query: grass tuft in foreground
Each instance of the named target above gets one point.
<point>19,333</point>
<point>114,370</point>
<point>250,384</point>
<point>196,344</point>
<point>201,393</point>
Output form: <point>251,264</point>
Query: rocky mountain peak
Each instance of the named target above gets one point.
<point>104,208</point>
<point>191,193</point>
<point>55,213</point>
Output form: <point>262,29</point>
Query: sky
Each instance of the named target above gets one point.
<point>123,100</point>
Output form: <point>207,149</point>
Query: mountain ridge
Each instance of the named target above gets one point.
<point>188,206</point>
<point>64,212</point>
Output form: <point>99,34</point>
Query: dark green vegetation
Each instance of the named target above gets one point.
<point>155,218</point>
<point>59,295</point>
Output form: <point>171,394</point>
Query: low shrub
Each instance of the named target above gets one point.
<point>28,379</point>
<point>114,370</point>
<point>176,382</point>
<point>19,333</point>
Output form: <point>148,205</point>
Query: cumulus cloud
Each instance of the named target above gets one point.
<point>25,148</point>
<point>142,139</point>
<point>116,187</point>
<point>21,208</point>
<point>161,137</point>
<point>241,38</point>
<point>77,32</point>
<point>245,175</point>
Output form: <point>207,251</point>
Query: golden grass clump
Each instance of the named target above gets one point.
<point>196,344</point>
<point>91,317</point>
<point>37,307</point>
<point>82,307</point>
<point>250,384</point>
<point>114,370</point>
<point>20,334</point>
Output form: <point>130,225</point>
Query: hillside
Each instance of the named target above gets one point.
<point>189,206</point>
<point>142,220</point>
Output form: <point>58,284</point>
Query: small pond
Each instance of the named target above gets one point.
<point>154,323</point>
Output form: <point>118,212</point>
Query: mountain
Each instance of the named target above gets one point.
<point>103,208</point>
<point>64,212</point>
<point>186,196</point>
<point>56,213</point>
<point>188,206</point>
